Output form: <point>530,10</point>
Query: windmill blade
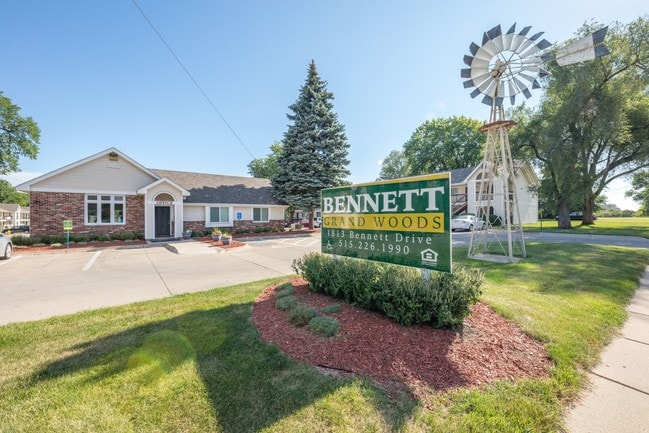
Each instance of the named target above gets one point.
<point>517,41</point>
<point>477,81</point>
<point>589,47</point>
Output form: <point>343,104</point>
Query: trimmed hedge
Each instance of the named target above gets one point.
<point>76,238</point>
<point>400,293</point>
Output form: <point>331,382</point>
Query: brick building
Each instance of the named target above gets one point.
<point>110,192</point>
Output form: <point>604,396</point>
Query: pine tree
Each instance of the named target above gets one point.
<point>315,148</point>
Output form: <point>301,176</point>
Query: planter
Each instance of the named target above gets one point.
<point>216,238</point>
<point>187,235</point>
<point>226,241</point>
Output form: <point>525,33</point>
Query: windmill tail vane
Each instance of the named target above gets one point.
<point>589,47</point>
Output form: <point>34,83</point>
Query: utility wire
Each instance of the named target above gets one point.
<point>200,89</point>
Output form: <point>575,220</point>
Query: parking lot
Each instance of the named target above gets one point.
<point>45,284</point>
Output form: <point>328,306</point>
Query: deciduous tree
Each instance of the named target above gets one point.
<point>444,144</point>
<point>19,136</point>
<point>593,124</point>
<point>267,167</point>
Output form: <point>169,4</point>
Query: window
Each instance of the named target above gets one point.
<point>105,209</point>
<point>219,215</point>
<point>260,214</point>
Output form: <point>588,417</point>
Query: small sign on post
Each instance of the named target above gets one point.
<point>67,226</point>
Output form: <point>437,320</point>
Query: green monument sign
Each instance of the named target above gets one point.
<point>402,221</point>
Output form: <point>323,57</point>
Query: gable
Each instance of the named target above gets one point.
<point>109,171</point>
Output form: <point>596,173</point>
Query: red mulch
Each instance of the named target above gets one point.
<point>488,349</point>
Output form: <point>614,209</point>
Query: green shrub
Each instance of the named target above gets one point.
<point>495,220</point>
<point>79,238</point>
<point>24,241</point>
<point>285,289</point>
<point>123,236</point>
<point>398,292</point>
<point>301,314</point>
<point>333,308</point>
<point>285,303</point>
<point>53,239</point>
<point>98,237</point>
<point>323,325</point>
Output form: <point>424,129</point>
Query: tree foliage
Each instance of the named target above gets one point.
<point>267,167</point>
<point>394,166</point>
<point>444,144</point>
<point>437,145</point>
<point>314,148</point>
<point>592,126</point>
<point>640,190</point>
<point>8,194</point>
<point>19,136</point>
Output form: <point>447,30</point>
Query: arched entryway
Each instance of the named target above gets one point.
<point>162,215</point>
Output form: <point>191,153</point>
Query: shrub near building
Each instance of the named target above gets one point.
<point>399,292</point>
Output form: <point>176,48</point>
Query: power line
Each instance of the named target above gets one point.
<point>200,89</point>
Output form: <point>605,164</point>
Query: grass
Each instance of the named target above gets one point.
<point>635,226</point>
<point>195,362</point>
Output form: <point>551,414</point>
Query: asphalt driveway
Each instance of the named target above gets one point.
<point>44,284</point>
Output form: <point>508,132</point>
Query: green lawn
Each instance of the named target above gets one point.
<point>634,226</point>
<point>195,363</point>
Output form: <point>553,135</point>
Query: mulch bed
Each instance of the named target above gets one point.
<point>488,348</point>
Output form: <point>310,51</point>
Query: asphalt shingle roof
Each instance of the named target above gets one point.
<point>459,175</point>
<point>216,188</point>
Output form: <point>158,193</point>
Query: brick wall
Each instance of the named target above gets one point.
<point>49,210</point>
<point>244,225</point>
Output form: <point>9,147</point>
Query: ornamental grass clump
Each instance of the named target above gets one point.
<point>333,308</point>
<point>400,293</point>
<point>285,303</point>
<point>301,314</point>
<point>285,289</point>
<point>324,326</point>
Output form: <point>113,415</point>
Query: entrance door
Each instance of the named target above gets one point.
<point>162,221</point>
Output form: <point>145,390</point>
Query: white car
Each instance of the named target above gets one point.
<point>6,247</point>
<point>466,222</point>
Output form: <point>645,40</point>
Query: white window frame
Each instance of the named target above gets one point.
<point>252,212</point>
<point>209,223</point>
<point>99,200</point>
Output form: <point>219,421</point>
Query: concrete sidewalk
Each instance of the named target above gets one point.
<point>618,399</point>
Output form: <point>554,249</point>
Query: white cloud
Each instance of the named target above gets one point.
<point>20,177</point>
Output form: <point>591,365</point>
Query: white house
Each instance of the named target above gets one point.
<point>465,187</point>
<point>12,215</point>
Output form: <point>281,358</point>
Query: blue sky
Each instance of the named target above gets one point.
<point>94,74</point>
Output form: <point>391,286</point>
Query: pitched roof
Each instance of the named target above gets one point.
<point>12,207</point>
<point>216,188</point>
<point>460,175</point>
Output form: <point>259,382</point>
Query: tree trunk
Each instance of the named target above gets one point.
<point>311,218</point>
<point>564,215</point>
<point>587,218</point>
